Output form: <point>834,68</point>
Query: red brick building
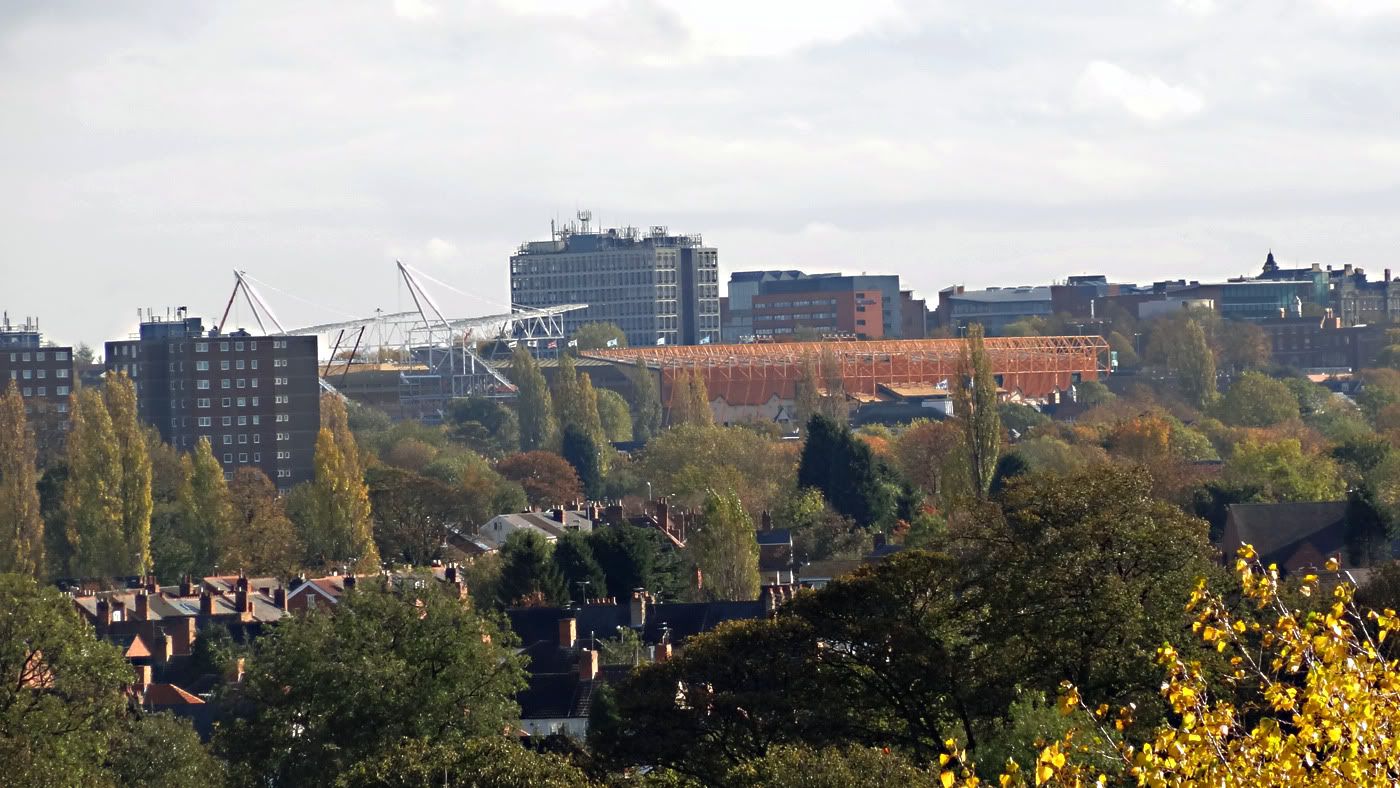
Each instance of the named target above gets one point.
<point>850,313</point>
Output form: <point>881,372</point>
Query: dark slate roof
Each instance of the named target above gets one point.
<point>1276,529</point>
<point>540,625</point>
<point>775,536</point>
<point>560,695</point>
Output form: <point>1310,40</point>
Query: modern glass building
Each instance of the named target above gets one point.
<point>659,288</point>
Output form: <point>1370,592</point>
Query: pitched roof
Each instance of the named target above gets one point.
<point>775,536</point>
<point>1277,530</point>
<point>168,695</point>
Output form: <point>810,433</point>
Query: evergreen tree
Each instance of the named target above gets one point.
<point>119,394</point>
<point>646,404</point>
<point>528,573</point>
<point>207,511</point>
<point>533,402</point>
<point>583,577</point>
<point>579,449</point>
<point>726,548</point>
<point>92,502</point>
<point>21,524</point>
<point>975,403</point>
<point>845,471</point>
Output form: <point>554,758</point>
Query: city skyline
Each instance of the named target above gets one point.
<point>150,151</point>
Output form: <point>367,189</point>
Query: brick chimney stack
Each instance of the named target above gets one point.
<point>152,586</point>
<point>450,573</point>
<point>104,611</point>
<point>348,581</point>
<point>164,648</point>
<point>568,632</point>
<point>186,586</point>
<point>206,603</point>
<point>143,675</point>
<point>766,521</point>
<point>279,596</point>
<point>557,513</point>
<point>638,609</point>
<point>663,651</point>
<point>143,606</point>
<point>587,665</point>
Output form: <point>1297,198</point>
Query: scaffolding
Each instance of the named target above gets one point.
<point>752,374</point>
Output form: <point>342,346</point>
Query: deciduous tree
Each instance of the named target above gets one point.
<point>615,418</point>
<point>975,404</point>
<point>548,479</point>
<point>119,395</point>
<point>726,548</point>
<point>1280,471</point>
<point>21,525</point>
<point>92,500</point>
<point>646,403</point>
<point>208,515</point>
<point>534,405</point>
<point>262,539</point>
<point>327,691</point>
<point>593,336</point>
<point>1257,400</point>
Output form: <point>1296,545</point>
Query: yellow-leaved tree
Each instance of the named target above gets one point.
<point>1311,699</point>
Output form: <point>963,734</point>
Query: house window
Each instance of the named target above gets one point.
<point>224,365</point>
<point>228,440</point>
<point>201,347</point>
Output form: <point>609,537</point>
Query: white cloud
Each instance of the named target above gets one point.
<point>415,10</point>
<point>1105,84</point>
<point>439,250</point>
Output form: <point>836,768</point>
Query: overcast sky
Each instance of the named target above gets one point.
<point>147,149</point>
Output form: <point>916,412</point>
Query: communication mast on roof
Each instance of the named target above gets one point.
<point>585,218</point>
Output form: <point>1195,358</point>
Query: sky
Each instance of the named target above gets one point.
<point>147,149</point>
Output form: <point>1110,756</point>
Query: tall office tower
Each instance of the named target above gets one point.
<point>44,377</point>
<point>257,399</point>
<point>659,288</point>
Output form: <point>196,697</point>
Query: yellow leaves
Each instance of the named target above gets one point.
<point>1333,564</point>
<point>1069,699</point>
<point>1246,552</point>
<point>948,779</point>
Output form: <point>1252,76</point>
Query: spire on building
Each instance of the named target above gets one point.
<point>1269,264</point>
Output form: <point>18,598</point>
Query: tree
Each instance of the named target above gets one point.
<point>975,404</point>
<point>485,425</point>
<point>592,336</point>
<point>1190,358</point>
<point>160,751</point>
<point>534,406</point>
<point>62,689</point>
<point>21,524</point>
<point>569,407</point>
<point>646,404</point>
<point>583,577</point>
<point>633,557</point>
<point>687,461</point>
<point>1093,392</point>
<point>119,394</point>
<point>1020,419</point>
<point>1062,600</point>
<point>1279,471</point>
<point>548,479</point>
<point>614,416</point>
<point>340,526</point>
<point>726,548</point>
<point>1257,400</point>
<point>82,356</point>
<point>528,571</point>
<point>208,514</point>
<point>690,402</point>
<point>795,766</point>
<point>1242,345</point>
<point>412,514</point>
<point>928,454</point>
<point>579,450</point>
<point>326,691</point>
<point>262,539</point>
<point>485,762</point>
<point>92,502</point>
<point>806,399</point>
<point>845,471</point>
<point>1311,703</point>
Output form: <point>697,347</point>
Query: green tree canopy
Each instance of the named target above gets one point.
<point>592,336</point>
<point>646,403</point>
<point>548,479</point>
<point>528,572</point>
<point>975,405</point>
<point>614,415</point>
<point>579,449</point>
<point>119,396</point>
<point>485,425</point>
<point>92,501</point>
<point>1257,400</point>
<point>328,691</point>
<point>725,548</point>
<point>533,403</point>
<point>21,524</point>
<point>583,577</point>
<point>1281,471</point>
<point>846,472</point>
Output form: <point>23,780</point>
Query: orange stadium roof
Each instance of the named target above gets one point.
<point>753,374</point>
